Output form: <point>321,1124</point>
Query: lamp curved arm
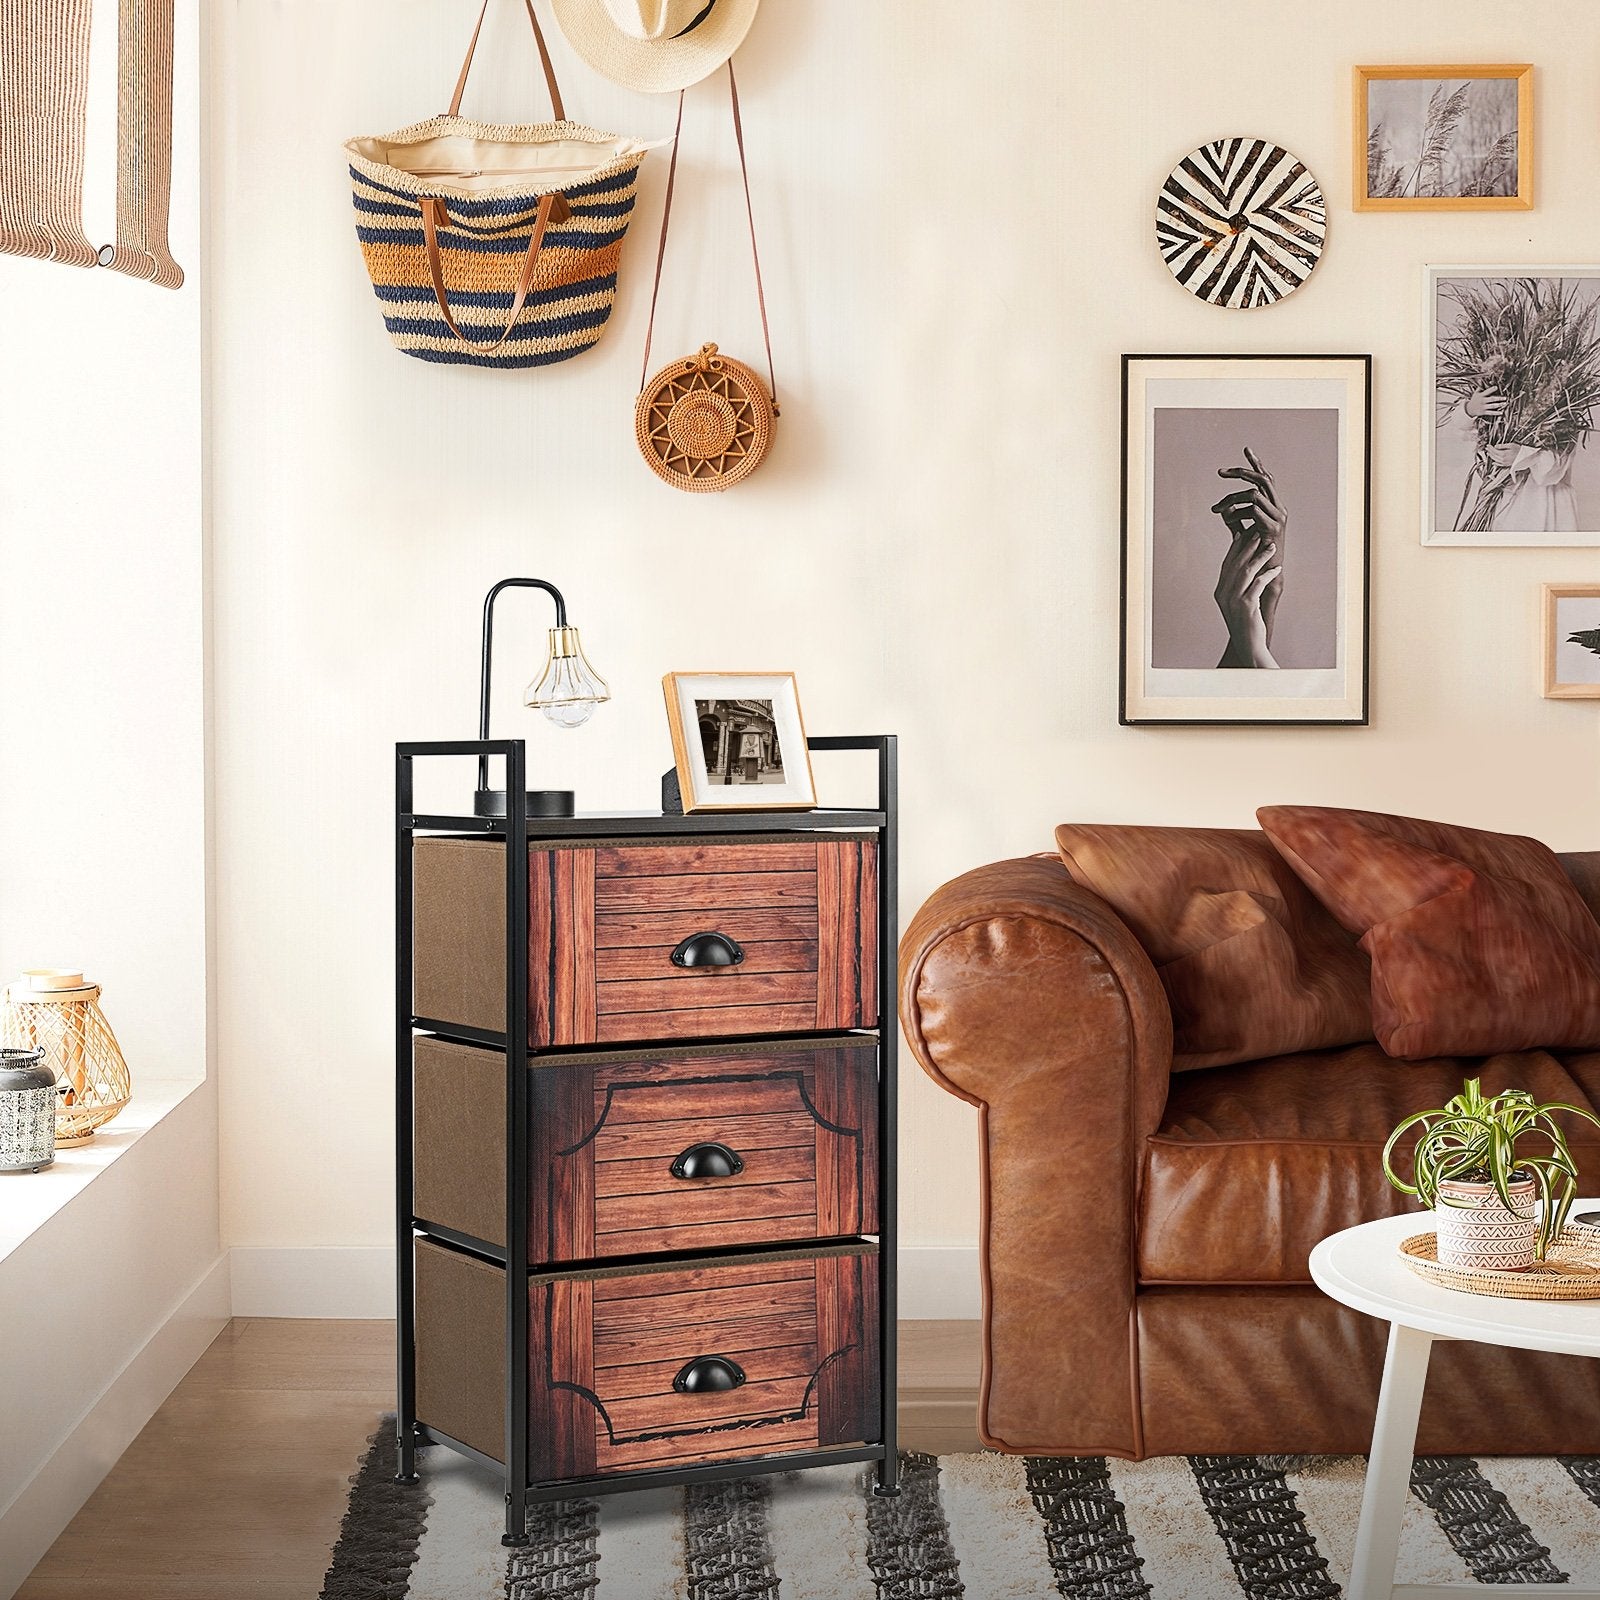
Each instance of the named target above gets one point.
<point>488,652</point>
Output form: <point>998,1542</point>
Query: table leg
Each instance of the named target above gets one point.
<point>1388,1486</point>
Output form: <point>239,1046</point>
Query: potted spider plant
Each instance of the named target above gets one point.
<point>1496,1202</point>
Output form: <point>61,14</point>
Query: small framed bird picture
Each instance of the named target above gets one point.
<point>1572,641</point>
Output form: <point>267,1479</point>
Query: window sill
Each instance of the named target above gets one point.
<point>28,1200</point>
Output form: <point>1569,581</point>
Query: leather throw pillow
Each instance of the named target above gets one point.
<point>1252,964</point>
<point>1479,941</point>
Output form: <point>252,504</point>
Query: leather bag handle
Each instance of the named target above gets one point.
<point>556,107</point>
<point>749,210</point>
<point>434,216</point>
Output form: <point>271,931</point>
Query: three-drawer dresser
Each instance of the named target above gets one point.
<point>645,1139</point>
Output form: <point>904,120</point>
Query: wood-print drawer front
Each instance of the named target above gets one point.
<point>800,1328</point>
<point>605,921</point>
<point>605,1130</point>
<point>802,1123</point>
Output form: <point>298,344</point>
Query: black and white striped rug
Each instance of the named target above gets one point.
<point>987,1527</point>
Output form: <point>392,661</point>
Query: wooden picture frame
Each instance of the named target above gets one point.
<point>1198,431</point>
<point>1369,159</point>
<point>1571,668</point>
<point>739,741</point>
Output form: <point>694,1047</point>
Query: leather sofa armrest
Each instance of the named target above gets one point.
<point>1027,996</point>
<point>1013,970</point>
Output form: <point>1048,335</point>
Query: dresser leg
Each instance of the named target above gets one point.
<point>888,1485</point>
<point>516,1519</point>
<point>405,1469</point>
<point>406,1441</point>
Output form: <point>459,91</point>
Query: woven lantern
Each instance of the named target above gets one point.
<point>60,1013</point>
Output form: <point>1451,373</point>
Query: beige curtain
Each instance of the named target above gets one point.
<point>44,80</point>
<point>44,86</point>
<point>144,143</point>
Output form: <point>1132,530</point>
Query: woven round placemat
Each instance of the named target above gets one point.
<point>1570,1271</point>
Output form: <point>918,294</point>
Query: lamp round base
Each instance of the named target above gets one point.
<point>541,803</point>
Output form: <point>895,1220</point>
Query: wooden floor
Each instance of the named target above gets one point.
<point>236,1486</point>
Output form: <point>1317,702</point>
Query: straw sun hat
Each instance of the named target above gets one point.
<point>655,45</point>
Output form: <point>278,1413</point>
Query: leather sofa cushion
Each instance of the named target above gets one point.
<point>1582,868</point>
<point>1252,964</point>
<point>1479,941</point>
<point>1252,1165</point>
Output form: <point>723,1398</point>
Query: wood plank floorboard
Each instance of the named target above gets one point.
<point>236,1486</point>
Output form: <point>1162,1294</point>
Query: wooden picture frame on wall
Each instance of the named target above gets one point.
<point>1571,641</point>
<point>1443,138</point>
<point>739,741</point>
<point>1246,493</point>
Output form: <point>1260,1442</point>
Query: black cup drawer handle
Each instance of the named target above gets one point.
<point>707,1161</point>
<point>708,950</point>
<point>709,1375</point>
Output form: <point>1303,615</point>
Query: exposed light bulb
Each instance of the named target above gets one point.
<point>568,689</point>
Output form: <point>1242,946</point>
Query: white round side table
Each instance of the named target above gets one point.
<point>1361,1268</point>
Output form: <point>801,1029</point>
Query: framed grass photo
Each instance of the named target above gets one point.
<point>1443,138</point>
<point>1572,641</point>
<point>738,741</point>
<point>1245,492</point>
<point>1509,394</point>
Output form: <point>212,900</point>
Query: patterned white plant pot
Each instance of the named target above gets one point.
<point>1478,1232</point>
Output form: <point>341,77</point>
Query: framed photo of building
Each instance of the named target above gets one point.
<point>1443,138</point>
<point>1572,641</point>
<point>1245,501</point>
<point>1510,393</point>
<point>738,741</point>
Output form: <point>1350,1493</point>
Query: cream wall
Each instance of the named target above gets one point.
<point>955,212</point>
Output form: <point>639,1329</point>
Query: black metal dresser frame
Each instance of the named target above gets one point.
<point>517,824</point>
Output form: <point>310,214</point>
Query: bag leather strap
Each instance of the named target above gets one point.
<point>434,216</point>
<point>544,60</point>
<point>666,217</point>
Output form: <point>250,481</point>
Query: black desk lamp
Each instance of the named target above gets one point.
<point>567,691</point>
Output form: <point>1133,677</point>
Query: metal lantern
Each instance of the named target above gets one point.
<point>59,1013</point>
<point>27,1111</point>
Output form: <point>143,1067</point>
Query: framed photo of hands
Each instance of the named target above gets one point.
<point>1246,488</point>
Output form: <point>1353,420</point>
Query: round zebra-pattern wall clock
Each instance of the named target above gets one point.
<point>1241,223</point>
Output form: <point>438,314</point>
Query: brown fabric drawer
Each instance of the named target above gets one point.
<point>801,1118</point>
<point>605,918</point>
<point>799,1327</point>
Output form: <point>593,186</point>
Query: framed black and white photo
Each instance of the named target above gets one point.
<point>1509,394</point>
<point>1571,641</point>
<point>738,741</point>
<point>1444,138</point>
<point>1245,494</point>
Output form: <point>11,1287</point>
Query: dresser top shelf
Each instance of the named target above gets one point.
<point>620,823</point>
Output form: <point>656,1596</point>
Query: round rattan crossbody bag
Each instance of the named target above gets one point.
<point>704,422</point>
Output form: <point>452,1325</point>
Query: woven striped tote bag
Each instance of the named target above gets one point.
<point>494,245</point>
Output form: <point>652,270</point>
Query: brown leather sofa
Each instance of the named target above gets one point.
<point>1145,1235</point>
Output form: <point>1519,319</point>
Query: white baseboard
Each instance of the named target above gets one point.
<point>335,1281</point>
<point>358,1282</point>
<point>53,1496</point>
